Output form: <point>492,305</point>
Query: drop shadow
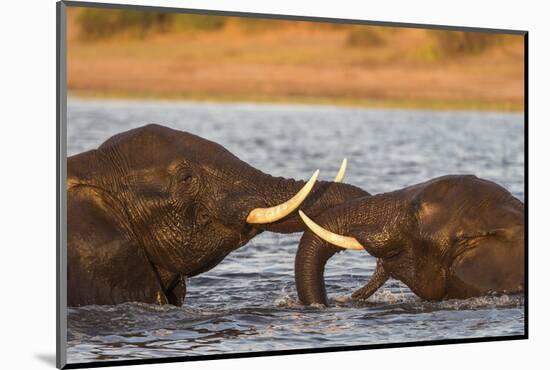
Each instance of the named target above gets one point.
<point>47,358</point>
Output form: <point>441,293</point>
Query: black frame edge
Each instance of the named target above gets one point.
<point>526,178</point>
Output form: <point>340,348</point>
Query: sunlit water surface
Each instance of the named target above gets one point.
<point>248,302</point>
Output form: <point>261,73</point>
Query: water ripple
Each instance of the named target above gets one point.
<point>248,302</point>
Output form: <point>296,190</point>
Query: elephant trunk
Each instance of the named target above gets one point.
<point>309,268</point>
<point>313,254</point>
<point>269,203</point>
<point>385,215</point>
<point>323,196</point>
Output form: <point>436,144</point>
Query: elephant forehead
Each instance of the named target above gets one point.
<point>158,144</point>
<point>430,209</point>
<point>438,220</point>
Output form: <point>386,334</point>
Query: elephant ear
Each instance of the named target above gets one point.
<point>376,239</point>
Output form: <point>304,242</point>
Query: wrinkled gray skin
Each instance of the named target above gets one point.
<point>450,237</point>
<point>154,205</point>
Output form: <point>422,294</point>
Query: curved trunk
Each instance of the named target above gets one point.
<point>309,268</point>
<point>377,214</point>
<point>311,258</point>
<point>325,195</point>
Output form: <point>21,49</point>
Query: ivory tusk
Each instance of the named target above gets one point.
<point>278,212</point>
<point>342,171</point>
<point>346,242</point>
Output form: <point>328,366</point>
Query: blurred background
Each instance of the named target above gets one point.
<point>135,54</point>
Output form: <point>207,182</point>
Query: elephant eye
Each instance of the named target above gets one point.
<point>203,218</point>
<point>187,178</point>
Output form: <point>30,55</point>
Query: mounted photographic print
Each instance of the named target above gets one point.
<point>234,184</point>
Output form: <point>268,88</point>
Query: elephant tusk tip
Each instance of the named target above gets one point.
<point>342,171</point>
<point>278,212</point>
<point>345,242</point>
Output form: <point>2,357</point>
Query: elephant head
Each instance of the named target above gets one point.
<point>450,237</point>
<point>184,201</point>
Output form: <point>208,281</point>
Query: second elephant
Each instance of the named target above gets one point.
<point>450,237</point>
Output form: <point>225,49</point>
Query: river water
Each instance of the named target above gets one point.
<point>248,302</point>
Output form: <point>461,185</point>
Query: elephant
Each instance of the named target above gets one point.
<point>153,205</point>
<point>456,236</point>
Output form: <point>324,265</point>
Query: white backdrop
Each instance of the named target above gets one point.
<point>27,183</point>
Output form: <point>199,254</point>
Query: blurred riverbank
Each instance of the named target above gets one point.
<point>128,54</point>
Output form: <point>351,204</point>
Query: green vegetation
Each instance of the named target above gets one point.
<point>451,43</point>
<point>101,23</point>
<point>104,23</point>
<point>97,24</point>
<point>257,25</point>
<point>365,36</point>
<point>443,45</point>
<point>192,22</point>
